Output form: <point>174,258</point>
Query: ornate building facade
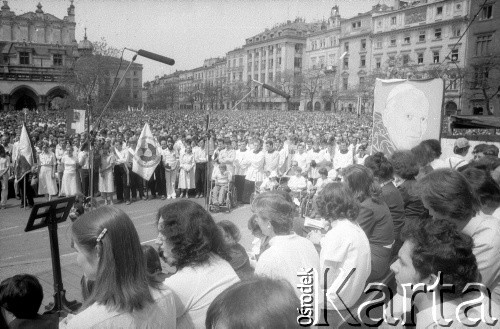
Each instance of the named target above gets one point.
<point>410,39</point>
<point>36,47</point>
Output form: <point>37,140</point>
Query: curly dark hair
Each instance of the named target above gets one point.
<point>404,164</point>
<point>380,166</point>
<point>192,232</point>
<point>440,247</point>
<point>336,201</point>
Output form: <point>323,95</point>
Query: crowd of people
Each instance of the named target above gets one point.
<point>410,215</point>
<point>64,165</point>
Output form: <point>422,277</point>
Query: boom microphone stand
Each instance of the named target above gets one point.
<point>140,52</point>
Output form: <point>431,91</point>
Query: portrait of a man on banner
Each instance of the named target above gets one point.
<point>405,113</point>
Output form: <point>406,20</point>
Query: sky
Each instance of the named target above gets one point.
<point>188,31</point>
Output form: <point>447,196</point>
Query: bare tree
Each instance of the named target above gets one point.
<point>482,80</point>
<point>312,81</point>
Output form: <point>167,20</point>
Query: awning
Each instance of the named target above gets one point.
<point>475,122</point>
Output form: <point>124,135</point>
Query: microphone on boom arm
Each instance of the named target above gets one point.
<point>272,89</point>
<point>153,56</point>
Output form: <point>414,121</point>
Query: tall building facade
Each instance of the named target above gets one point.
<point>481,95</point>
<point>322,60</point>
<point>275,57</point>
<point>423,38</point>
<point>415,40</point>
<point>36,48</point>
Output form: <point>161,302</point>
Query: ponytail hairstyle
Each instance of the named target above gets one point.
<point>121,282</point>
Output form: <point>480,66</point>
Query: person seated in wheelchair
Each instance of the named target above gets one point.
<point>297,184</point>
<point>269,183</point>
<point>291,171</point>
<point>222,178</point>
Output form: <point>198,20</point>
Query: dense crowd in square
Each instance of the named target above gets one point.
<point>403,218</point>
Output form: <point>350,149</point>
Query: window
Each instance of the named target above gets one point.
<point>363,44</point>
<point>454,55</point>
<point>361,81</point>
<point>455,30</point>
<point>346,46</point>
<point>313,62</point>
<point>24,58</point>
<point>270,77</point>
<point>362,61</point>
<point>393,41</point>
<point>421,36</point>
<point>378,63</point>
<point>345,83</point>
<point>453,82</point>
<point>435,56</point>
<point>406,59</point>
<point>271,63</point>
<point>322,61</point>
<point>297,63</point>
<point>57,60</point>
<point>480,76</point>
<point>439,10</point>
<point>406,40</point>
<point>378,44</point>
<point>420,58</point>
<point>393,20</point>
<point>135,83</point>
<point>356,25</point>
<point>346,62</point>
<point>437,33</point>
<point>483,44</point>
<point>486,12</point>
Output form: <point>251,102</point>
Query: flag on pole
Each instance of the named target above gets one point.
<point>24,160</point>
<point>75,121</point>
<point>146,156</point>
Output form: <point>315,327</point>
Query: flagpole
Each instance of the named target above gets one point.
<point>24,178</point>
<point>24,194</point>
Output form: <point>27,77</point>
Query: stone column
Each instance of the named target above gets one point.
<point>42,103</point>
<point>5,102</point>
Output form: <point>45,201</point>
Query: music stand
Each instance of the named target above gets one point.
<point>49,214</point>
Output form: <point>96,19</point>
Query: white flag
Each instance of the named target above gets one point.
<point>24,159</point>
<point>146,156</point>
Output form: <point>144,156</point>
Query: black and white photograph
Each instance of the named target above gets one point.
<point>232,164</point>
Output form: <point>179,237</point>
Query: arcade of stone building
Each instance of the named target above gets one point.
<point>36,49</point>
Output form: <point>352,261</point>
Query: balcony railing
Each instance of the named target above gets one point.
<point>31,73</point>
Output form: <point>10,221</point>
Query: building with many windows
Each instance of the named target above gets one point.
<point>422,40</point>
<point>481,93</point>
<point>322,57</point>
<point>275,57</point>
<point>333,64</point>
<point>36,47</point>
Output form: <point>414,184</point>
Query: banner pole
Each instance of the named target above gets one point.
<point>24,194</point>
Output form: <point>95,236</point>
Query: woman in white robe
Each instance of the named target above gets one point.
<point>187,171</point>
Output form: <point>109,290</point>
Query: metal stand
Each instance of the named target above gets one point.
<point>49,215</point>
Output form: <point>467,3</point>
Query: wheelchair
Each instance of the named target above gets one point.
<point>306,204</point>
<point>230,199</point>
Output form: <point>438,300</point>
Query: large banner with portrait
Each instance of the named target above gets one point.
<point>405,113</point>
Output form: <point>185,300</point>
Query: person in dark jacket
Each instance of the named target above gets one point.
<point>383,172</point>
